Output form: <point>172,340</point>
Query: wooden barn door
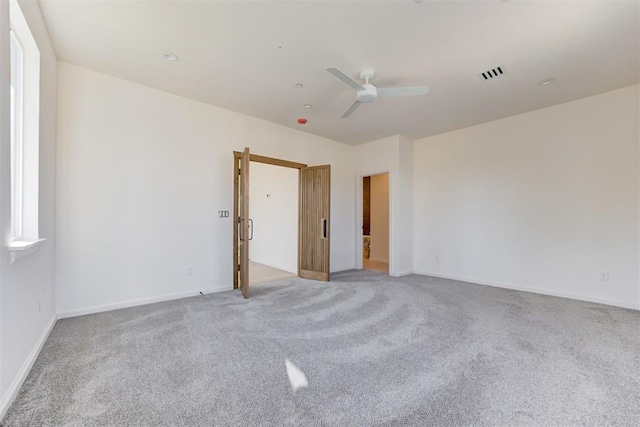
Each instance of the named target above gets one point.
<point>314,222</point>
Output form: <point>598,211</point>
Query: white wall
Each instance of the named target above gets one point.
<point>402,200</point>
<point>273,207</point>
<point>379,218</point>
<point>394,155</point>
<point>141,176</point>
<point>541,201</point>
<point>27,310</point>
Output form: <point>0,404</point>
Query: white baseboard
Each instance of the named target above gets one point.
<point>14,388</point>
<point>534,290</point>
<point>342,270</point>
<point>141,301</point>
<point>402,273</point>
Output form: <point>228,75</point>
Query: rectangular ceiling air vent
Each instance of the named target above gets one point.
<point>491,74</point>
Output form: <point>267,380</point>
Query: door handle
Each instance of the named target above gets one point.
<point>251,228</point>
<point>324,227</point>
<point>240,221</point>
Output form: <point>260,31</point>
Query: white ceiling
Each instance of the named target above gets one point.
<point>248,56</point>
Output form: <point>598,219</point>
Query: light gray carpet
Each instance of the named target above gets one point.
<point>376,351</point>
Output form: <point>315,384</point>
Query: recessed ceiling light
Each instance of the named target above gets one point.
<point>547,81</point>
<point>307,105</point>
<point>171,57</point>
<point>299,85</point>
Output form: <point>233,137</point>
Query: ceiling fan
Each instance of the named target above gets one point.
<point>368,93</point>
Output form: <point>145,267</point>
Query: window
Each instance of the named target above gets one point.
<point>25,133</point>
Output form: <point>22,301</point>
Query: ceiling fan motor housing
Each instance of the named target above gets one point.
<point>369,94</point>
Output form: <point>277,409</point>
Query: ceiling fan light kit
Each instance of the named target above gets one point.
<point>367,92</point>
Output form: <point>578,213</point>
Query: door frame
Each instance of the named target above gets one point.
<point>359,213</point>
<point>236,182</point>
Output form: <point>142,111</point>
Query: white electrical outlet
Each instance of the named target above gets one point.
<point>189,271</point>
<point>604,275</point>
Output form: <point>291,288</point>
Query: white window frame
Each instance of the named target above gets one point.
<point>17,140</point>
<point>25,136</point>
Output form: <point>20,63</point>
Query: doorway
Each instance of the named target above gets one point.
<point>313,224</point>
<point>273,254</point>
<point>375,223</point>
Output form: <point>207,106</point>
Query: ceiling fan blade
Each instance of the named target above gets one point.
<point>351,109</point>
<point>348,80</point>
<point>402,91</point>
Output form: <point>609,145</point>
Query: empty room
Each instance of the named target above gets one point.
<point>362,213</point>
